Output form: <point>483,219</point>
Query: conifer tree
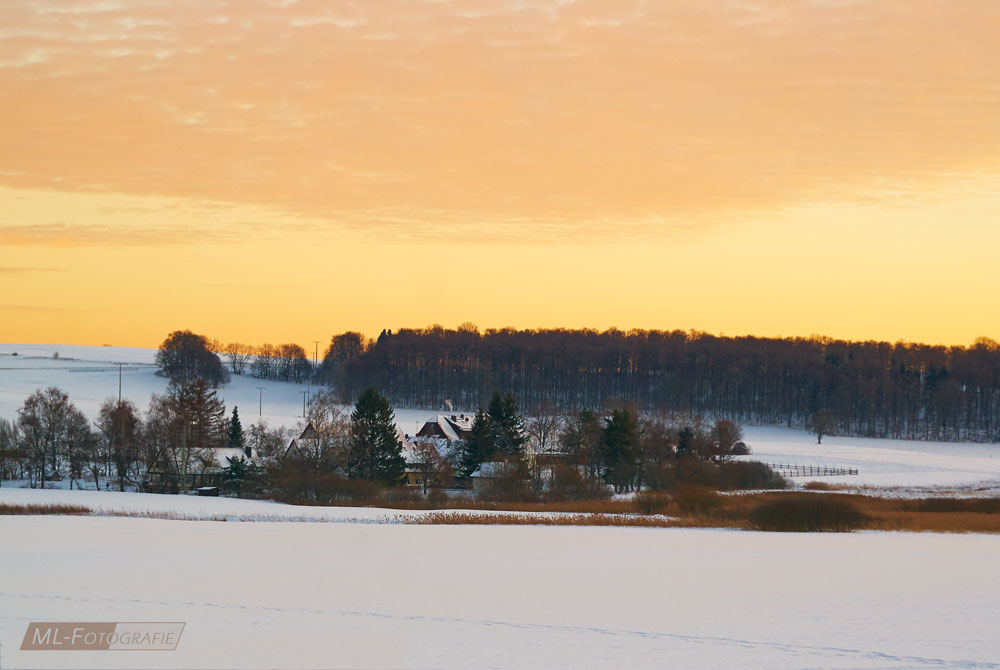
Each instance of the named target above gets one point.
<point>236,437</point>
<point>479,446</point>
<point>620,441</point>
<point>510,431</point>
<point>375,451</point>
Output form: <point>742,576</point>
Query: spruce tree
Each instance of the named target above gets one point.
<point>236,437</point>
<point>375,452</point>
<point>621,436</point>
<point>509,430</point>
<point>479,446</point>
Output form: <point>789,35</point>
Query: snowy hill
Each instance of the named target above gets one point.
<point>89,375</point>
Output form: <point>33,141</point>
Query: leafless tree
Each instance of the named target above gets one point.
<point>238,355</point>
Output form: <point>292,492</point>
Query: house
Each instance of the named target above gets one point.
<point>492,473</point>
<point>307,442</point>
<point>451,427</point>
<point>430,453</point>
<point>204,468</point>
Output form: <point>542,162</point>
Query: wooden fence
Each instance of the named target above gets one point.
<point>793,470</point>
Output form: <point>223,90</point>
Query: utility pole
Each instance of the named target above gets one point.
<point>305,394</point>
<point>121,430</point>
<point>316,354</point>
<point>120,366</point>
<point>260,400</point>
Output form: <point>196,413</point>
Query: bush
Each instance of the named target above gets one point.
<point>808,513</point>
<point>975,505</point>
<point>651,502</point>
<point>742,475</point>
<point>436,499</point>
<point>569,484</point>
<point>697,500</point>
<point>737,475</point>
<point>511,484</point>
<point>292,485</point>
<point>817,486</point>
<point>740,449</point>
<point>695,472</point>
<point>403,498</point>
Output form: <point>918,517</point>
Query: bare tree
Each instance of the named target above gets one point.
<point>820,424</point>
<point>543,431</point>
<point>434,471</point>
<point>725,435</point>
<point>238,356</point>
<point>79,448</point>
<point>269,443</point>
<point>47,419</point>
<point>11,456</point>
<point>120,431</point>
<point>185,424</point>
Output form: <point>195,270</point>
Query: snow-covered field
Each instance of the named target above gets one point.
<point>305,595</point>
<point>885,467</point>
<point>88,375</point>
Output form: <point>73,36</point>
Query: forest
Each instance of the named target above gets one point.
<point>874,389</point>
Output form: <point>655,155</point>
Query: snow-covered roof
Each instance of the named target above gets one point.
<point>220,456</point>
<point>448,425</point>
<point>412,449</point>
<point>493,469</point>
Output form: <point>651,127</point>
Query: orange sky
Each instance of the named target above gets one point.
<point>282,171</point>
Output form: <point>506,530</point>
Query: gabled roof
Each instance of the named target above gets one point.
<point>220,456</point>
<point>448,426</point>
<point>493,469</point>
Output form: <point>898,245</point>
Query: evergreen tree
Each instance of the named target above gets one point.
<point>375,451</point>
<point>510,434</point>
<point>236,437</point>
<point>621,436</point>
<point>234,474</point>
<point>685,442</point>
<point>479,446</point>
<point>506,425</point>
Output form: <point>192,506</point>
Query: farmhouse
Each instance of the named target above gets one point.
<point>204,467</point>
<point>451,427</point>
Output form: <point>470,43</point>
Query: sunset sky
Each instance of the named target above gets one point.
<point>282,171</point>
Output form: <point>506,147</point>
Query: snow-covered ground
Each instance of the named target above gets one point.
<point>192,507</point>
<point>89,376</point>
<point>885,467</point>
<point>307,595</point>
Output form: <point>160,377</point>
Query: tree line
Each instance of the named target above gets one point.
<point>874,389</point>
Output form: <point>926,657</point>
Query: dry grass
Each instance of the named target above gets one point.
<point>43,509</point>
<point>967,515</point>
<point>696,508</point>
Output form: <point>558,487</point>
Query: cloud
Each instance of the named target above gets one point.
<point>33,308</point>
<point>17,270</point>
<point>501,120</point>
